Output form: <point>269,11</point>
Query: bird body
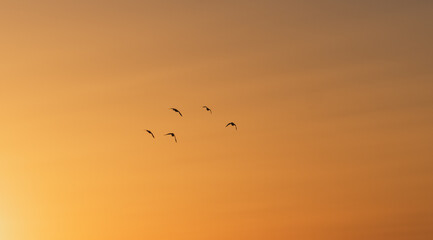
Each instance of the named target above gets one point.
<point>207,109</point>
<point>172,134</point>
<point>174,109</point>
<point>232,124</point>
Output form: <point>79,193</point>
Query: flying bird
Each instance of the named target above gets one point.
<point>232,124</point>
<point>174,109</point>
<point>172,134</point>
<point>150,132</point>
<point>207,109</point>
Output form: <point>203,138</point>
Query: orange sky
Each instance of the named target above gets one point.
<point>333,100</point>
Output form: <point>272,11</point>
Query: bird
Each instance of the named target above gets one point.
<point>207,109</point>
<point>172,134</point>
<point>174,109</point>
<point>232,124</point>
<point>150,132</point>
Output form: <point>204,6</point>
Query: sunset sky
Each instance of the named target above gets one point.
<point>333,100</point>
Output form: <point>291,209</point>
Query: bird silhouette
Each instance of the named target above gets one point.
<point>232,124</point>
<point>172,134</point>
<point>150,132</point>
<point>174,109</point>
<point>207,109</point>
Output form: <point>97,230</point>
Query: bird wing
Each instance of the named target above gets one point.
<point>228,124</point>
<point>210,110</point>
<point>175,139</point>
<point>152,134</point>
<point>180,113</point>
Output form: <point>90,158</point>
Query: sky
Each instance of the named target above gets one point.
<point>333,101</point>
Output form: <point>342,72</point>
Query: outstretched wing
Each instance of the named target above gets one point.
<point>174,109</point>
<point>175,139</point>
<point>228,124</point>
<point>150,133</point>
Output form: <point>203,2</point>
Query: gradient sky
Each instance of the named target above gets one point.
<point>333,100</point>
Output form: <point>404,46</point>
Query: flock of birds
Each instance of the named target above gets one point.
<point>177,111</point>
